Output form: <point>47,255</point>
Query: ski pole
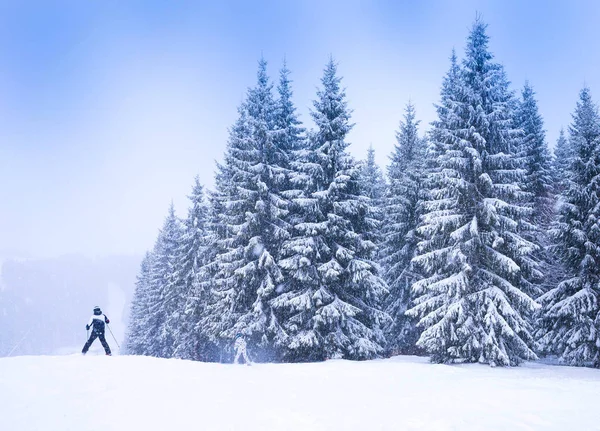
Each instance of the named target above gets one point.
<point>113,335</point>
<point>20,341</point>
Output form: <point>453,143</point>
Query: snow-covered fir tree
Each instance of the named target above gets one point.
<point>372,182</point>
<point>289,132</point>
<point>254,219</point>
<point>469,302</point>
<point>332,292</point>
<point>451,84</point>
<point>165,293</point>
<point>561,163</point>
<point>222,258</point>
<point>135,340</point>
<point>374,187</point>
<point>537,183</point>
<point>290,135</point>
<point>153,301</point>
<point>571,311</point>
<point>401,211</point>
<point>537,161</point>
<point>191,340</point>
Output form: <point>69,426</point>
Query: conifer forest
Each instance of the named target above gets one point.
<point>478,242</point>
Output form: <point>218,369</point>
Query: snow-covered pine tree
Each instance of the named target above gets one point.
<point>135,338</point>
<point>373,186</point>
<point>435,148</point>
<point>146,334</point>
<point>561,163</point>
<point>255,224</point>
<point>561,168</point>
<point>161,300</point>
<point>332,292</point>
<point>470,303</point>
<point>537,183</point>
<point>571,311</point>
<point>289,132</point>
<point>267,228</point>
<point>191,340</point>
<point>372,182</point>
<point>402,209</point>
<point>225,215</point>
<point>537,162</point>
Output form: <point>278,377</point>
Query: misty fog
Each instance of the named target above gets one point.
<point>46,302</point>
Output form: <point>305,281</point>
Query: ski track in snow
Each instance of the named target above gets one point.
<point>90,393</point>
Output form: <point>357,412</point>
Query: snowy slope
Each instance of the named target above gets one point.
<point>65,393</point>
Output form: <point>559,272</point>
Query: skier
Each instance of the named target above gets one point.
<point>240,349</point>
<point>97,323</point>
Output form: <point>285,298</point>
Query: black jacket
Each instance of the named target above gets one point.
<point>97,323</point>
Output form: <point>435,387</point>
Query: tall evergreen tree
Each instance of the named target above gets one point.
<point>192,341</point>
<point>332,291</point>
<point>537,183</point>
<point>469,302</point>
<point>149,333</point>
<point>374,187</point>
<point>289,133</point>
<point>254,212</point>
<point>402,211</point>
<point>562,162</point>
<point>165,292</point>
<point>226,214</point>
<point>135,340</point>
<point>451,85</point>
<point>372,182</point>
<point>571,311</point>
<point>554,271</point>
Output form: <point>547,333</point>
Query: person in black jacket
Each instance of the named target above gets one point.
<point>97,323</point>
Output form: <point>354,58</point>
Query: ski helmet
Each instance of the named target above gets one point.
<point>97,310</point>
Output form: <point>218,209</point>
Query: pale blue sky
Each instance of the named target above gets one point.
<point>109,109</point>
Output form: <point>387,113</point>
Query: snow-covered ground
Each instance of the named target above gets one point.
<point>64,393</point>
